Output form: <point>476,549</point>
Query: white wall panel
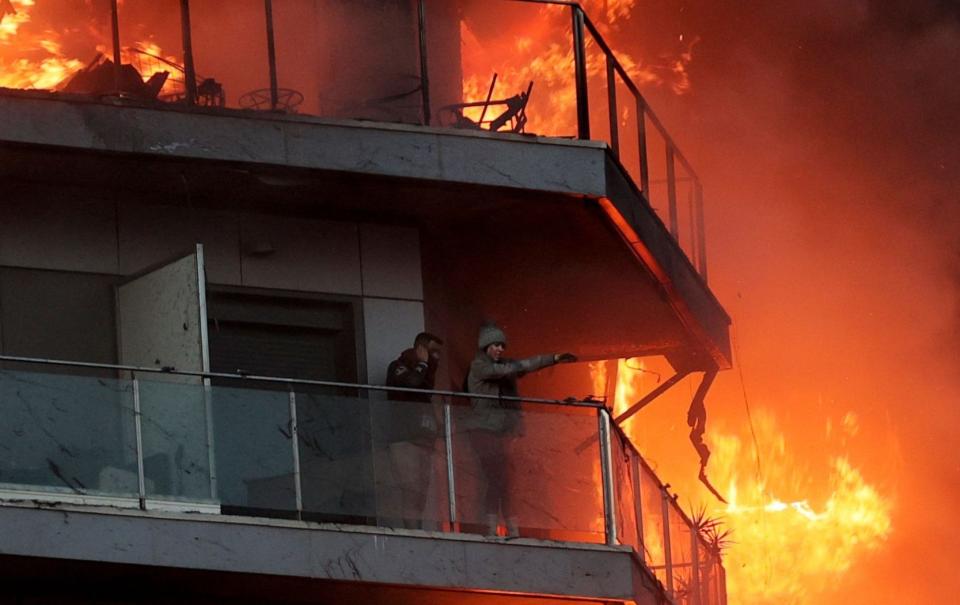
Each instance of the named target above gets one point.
<point>391,261</point>
<point>39,231</point>
<point>160,318</point>
<point>153,234</point>
<point>389,327</point>
<point>162,322</point>
<point>300,254</point>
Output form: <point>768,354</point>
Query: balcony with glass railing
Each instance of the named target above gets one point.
<point>261,447</point>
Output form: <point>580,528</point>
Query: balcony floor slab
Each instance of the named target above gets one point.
<point>367,558</point>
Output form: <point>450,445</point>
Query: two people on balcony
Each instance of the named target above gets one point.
<point>495,423</point>
<point>405,466</point>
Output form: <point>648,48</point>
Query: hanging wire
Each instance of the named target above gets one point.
<point>746,402</point>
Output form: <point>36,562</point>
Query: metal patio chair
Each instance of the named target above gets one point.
<point>513,118</point>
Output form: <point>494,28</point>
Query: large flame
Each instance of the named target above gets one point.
<point>31,57</point>
<point>32,52</point>
<point>789,548</point>
<point>538,48</point>
<point>796,525</point>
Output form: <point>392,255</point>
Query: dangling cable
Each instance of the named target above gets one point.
<point>746,403</point>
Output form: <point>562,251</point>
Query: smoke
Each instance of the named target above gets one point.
<point>826,134</point>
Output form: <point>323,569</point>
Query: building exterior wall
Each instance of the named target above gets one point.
<point>84,242</point>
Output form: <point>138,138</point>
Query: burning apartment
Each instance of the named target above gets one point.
<point>223,220</point>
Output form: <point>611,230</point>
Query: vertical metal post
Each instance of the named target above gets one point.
<point>638,501</point>
<point>115,28</point>
<point>580,67</point>
<point>295,442</point>
<point>271,56</point>
<point>205,365</point>
<point>672,193</point>
<point>695,566</point>
<point>642,144</point>
<point>211,445</point>
<point>424,71</point>
<point>138,432</point>
<point>667,551</point>
<point>189,70</point>
<point>606,474</point>
<point>701,228</point>
<point>612,106</point>
<point>451,480</point>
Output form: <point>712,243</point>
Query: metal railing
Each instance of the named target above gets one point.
<point>691,236</point>
<point>671,545</point>
<point>342,452</point>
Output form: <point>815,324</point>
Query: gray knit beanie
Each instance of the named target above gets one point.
<point>489,334</point>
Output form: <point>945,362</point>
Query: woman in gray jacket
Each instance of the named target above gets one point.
<point>494,423</point>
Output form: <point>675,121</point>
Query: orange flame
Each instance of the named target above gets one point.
<point>37,61</point>
<point>789,545</point>
<point>32,57</point>
<point>791,551</point>
<point>542,53</point>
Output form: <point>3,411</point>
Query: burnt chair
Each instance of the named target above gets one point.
<point>512,118</point>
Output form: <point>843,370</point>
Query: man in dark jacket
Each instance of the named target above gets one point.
<point>416,368</point>
<point>408,436</point>
<point>493,424</point>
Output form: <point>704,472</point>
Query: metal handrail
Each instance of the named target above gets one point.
<point>668,506</point>
<point>618,67</point>
<point>583,403</point>
<point>582,26</point>
<point>631,85</point>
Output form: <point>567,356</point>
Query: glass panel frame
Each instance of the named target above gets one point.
<point>624,488</point>
<point>654,543</point>
<point>68,433</point>
<point>409,462</point>
<point>230,47</point>
<point>548,487</point>
<point>253,451</point>
<point>175,421</point>
<point>680,555</point>
<point>336,455</point>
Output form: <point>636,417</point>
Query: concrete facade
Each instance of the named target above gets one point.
<point>379,265</point>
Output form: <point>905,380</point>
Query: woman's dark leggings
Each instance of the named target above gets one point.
<point>491,450</point>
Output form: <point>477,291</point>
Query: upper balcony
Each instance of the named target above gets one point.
<point>297,480</point>
<point>417,111</point>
